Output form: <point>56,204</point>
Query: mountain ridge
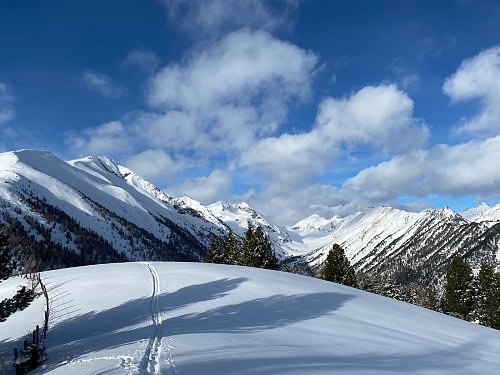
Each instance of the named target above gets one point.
<point>141,222</point>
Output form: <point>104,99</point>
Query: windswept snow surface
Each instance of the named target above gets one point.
<point>192,319</point>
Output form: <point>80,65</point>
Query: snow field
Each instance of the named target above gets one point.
<point>191,319</point>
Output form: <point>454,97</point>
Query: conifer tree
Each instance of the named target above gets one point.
<point>457,298</point>
<point>215,252</point>
<point>23,296</point>
<point>487,298</point>
<point>337,267</point>
<point>257,249</point>
<point>263,251</point>
<point>231,249</point>
<point>6,266</point>
<point>248,254</point>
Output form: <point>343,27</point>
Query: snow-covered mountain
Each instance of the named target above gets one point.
<point>191,319</point>
<point>483,213</point>
<point>92,210</point>
<point>409,246</point>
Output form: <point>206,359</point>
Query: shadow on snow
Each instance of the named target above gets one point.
<point>120,325</point>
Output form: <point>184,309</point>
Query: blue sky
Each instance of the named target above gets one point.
<point>296,107</point>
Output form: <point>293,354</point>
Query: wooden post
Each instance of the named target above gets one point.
<point>37,335</point>
<point>33,339</point>
<point>46,324</point>
<point>25,344</point>
<point>16,354</point>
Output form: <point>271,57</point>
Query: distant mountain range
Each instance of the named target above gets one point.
<point>93,210</point>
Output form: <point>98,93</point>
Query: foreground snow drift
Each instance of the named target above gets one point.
<point>187,318</point>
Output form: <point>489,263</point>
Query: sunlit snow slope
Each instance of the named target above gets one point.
<point>192,319</point>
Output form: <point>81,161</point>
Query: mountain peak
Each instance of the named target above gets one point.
<point>313,222</point>
<point>110,164</point>
<point>243,206</point>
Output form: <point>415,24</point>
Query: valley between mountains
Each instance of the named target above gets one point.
<point>93,210</point>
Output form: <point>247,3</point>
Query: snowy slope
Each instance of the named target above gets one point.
<point>483,213</point>
<point>191,319</point>
<point>386,240</point>
<point>133,216</point>
<point>93,200</point>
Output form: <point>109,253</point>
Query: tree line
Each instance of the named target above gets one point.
<point>254,251</point>
<point>472,297</point>
<point>24,295</point>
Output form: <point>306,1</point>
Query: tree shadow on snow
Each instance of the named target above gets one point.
<point>258,314</point>
<point>123,324</point>
<point>118,326</point>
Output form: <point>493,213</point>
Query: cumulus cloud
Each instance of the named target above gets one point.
<point>6,104</point>
<point>143,59</point>
<point>231,92</point>
<point>373,116</point>
<point>214,17</point>
<point>458,170</point>
<point>213,104</point>
<point>226,102</point>
<point>478,78</point>
<point>109,138</point>
<point>206,189</point>
<point>102,84</point>
<point>154,164</point>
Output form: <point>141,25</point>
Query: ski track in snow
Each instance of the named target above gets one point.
<point>150,363</point>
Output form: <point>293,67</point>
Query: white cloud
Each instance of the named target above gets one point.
<point>109,138</point>
<point>102,84</point>
<point>373,116</point>
<point>207,189</point>
<point>6,104</point>
<point>154,164</point>
<point>142,58</point>
<point>229,93</point>
<point>240,67</point>
<point>215,103</point>
<point>461,170</point>
<point>479,78</point>
<point>214,17</point>
<point>458,170</point>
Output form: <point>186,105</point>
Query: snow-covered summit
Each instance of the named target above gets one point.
<point>237,216</point>
<point>313,222</point>
<point>136,218</point>
<point>129,214</point>
<point>143,185</point>
<point>483,213</point>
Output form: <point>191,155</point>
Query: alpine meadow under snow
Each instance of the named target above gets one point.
<point>191,319</point>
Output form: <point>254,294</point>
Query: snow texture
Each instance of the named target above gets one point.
<point>191,319</point>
